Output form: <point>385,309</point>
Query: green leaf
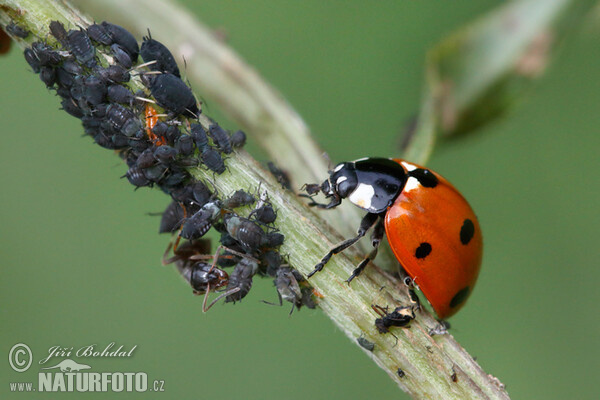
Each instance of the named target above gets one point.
<point>479,72</point>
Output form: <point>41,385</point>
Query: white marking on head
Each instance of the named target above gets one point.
<point>409,167</point>
<point>341,179</point>
<point>361,159</point>
<point>362,196</point>
<point>338,167</point>
<point>411,183</point>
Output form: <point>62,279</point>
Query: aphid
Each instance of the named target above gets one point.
<point>430,227</point>
<point>274,239</point>
<point>77,88</point>
<point>72,67</point>
<point>199,135</point>
<point>121,55</point>
<point>120,141</point>
<point>91,124</point>
<point>71,108</point>
<point>185,145</point>
<point>122,119</point>
<point>32,59</point>
<point>365,344</point>
<point>139,142</point>
<point>172,94</point>
<point>307,297</point>
<point>238,139</point>
<point>198,224</point>
<point>114,73</point>
<point>287,287</point>
<point>213,160</point>
<point>156,126</point>
<point>165,154</point>
<point>441,328</point>
<point>226,240</point>
<point>123,38</point>
<point>281,176</point>
<point>272,261</point>
<point>220,137</point>
<point>145,159</point>
<point>99,34</point>
<point>311,188</point>
<point>100,110</point>
<point>81,47</point>
<point>246,232</point>
<point>48,75</point>
<point>265,214</point>
<point>156,172</point>
<point>238,199</point>
<point>153,50</point>
<point>136,177</point>
<point>195,194</point>
<point>400,317</point>
<point>241,278</point>
<point>174,179</point>
<point>172,133</point>
<point>172,218</point>
<point>94,90</point>
<point>105,140</point>
<point>57,29</point>
<point>46,55</point>
<point>400,373</point>
<point>119,94</point>
<point>17,30</point>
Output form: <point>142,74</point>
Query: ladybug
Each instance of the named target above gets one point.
<point>430,227</point>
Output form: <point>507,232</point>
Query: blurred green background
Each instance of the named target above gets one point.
<point>81,257</point>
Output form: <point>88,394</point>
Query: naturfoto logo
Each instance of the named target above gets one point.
<point>63,374</point>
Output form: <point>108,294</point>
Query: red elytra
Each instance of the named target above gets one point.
<point>436,237</point>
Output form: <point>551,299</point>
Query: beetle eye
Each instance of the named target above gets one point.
<point>345,187</point>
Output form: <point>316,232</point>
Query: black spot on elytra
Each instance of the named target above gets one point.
<point>460,297</point>
<point>467,231</point>
<point>423,250</point>
<point>425,177</point>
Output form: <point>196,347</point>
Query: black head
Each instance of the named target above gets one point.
<point>341,182</point>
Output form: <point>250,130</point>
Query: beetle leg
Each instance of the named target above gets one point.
<point>366,223</point>
<point>376,237</point>
<point>335,201</point>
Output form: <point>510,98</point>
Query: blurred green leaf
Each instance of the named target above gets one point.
<point>476,74</point>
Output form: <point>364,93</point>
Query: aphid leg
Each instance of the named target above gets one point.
<point>273,304</point>
<point>366,223</point>
<point>180,228</point>
<point>376,237</point>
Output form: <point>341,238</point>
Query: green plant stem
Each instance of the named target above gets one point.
<point>435,367</point>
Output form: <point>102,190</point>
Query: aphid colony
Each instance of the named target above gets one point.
<point>159,147</point>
